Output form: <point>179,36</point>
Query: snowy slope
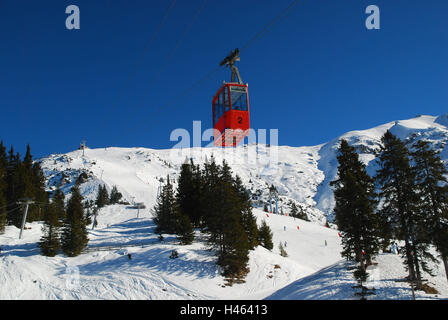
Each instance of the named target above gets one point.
<point>105,272</point>
<point>336,283</point>
<point>137,171</point>
<point>312,269</point>
<point>300,174</point>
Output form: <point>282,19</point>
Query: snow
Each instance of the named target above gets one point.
<point>105,272</point>
<point>312,269</point>
<point>336,282</point>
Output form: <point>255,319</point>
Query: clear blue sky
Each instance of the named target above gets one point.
<point>314,76</point>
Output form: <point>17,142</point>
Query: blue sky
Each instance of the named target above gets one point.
<point>314,76</point>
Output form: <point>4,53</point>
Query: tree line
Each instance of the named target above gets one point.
<point>19,179</point>
<point>211,199</point>
<point>64,225</point>
<point>406,200</point>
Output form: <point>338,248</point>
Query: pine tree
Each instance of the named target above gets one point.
<point>102,198</point>
<point>166,211</point>
<point>248,220</point>
<point>355,207</point>
<point>229,236</point>
<point>74,235</point>
<point>293,210</point>
<point>3,207</point>
<point>210,206</point>
<point>400,200</point>
<point>265,236</point>
<point>361,276</point>
<point>58,200</point>
<point>50,241</point>
<point>14,188</point>
<point>115,196</point>
<point>224,207</point>
<point>39,193</point>
<point>3,215</point>
<point>432,186</point>
<point>26,185</point>
<point>184,229</point>
<point>188,193</point>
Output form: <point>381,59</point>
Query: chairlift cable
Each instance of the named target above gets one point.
<point>8,205</point>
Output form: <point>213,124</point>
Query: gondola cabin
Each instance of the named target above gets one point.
<point>231,107</point>
<point>231,114</point>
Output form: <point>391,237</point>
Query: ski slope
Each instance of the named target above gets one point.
<point>105,272</point>
<point>312,270</point>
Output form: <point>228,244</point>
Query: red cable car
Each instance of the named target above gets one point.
<point>231,107</point>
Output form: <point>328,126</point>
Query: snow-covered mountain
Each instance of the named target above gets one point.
<point>300,174</point>
<point>313,270</point>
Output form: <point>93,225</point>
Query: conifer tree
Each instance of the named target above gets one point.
<point>3,164</point>
<point>50,241</point>
<point>399,198</point>
<point>3,216</point>
<point>13,186</point>
<point>209,204</point>
<point>248,220</point>
<point>166,211</point>
<point>293,210</point>
<point>265,236</point>
<point>74,234</point>
<point>115,195</point>
<point>432,186</point>
<point>228,235</point>
<point>58,200</point>
<point>102,198</point>
<point>224,217</point>
<point>355,207</point>
<point>38,190</point>
<point>188,193</point>
<point>184,229</point>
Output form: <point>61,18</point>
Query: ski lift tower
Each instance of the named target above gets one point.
<point>273,195</point>
<point>83,147</point>
<point>25,203</point>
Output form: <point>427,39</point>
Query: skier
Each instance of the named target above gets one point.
<point>284,228</point>
<point>325,242</point>
<point>286,244</point>
<point>129,256</point>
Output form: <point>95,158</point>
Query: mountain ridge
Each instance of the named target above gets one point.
<point>300,174</point>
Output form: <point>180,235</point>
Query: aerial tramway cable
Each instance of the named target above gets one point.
<point>286,12</point>
<point>180,41</point>
<point>144,52</point>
